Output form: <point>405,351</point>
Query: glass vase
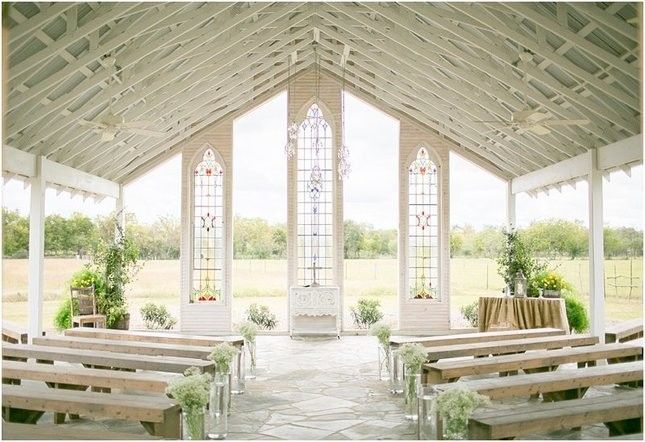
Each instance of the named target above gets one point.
<point>427,423</point>
<point>396,373</point>
<point>218,407</point>
<point>250,371</point>
<point>411,386</point>
<point>192,424</point>
<point>238,383</point>
<point>384,361</point>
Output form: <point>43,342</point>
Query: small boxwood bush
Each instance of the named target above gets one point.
<point>366,312</point>
<point>260,315</point>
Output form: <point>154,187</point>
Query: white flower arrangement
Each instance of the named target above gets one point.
<point>222,355</point>
<point>248,330</point>
<point>455,407</point>
<point>383,332</point>
<point>413,356</point>
<point>191,392</point>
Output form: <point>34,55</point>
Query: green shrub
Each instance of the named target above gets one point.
<point>157,317</point>
<point>470,312</point>
<point>260,315</point>
<point>517,255</point>
<point>366,312</point>
<point>576,313</point>
<point>63,317</point>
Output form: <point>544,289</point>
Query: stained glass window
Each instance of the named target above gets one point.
<point>314,189</point>
<point>208,250</point>
<point>423,228</point>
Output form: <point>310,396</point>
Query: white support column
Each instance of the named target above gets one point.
<point>120,209</point>
<point>510,206</point>
<point>36,252</point>
<point>596,249</point>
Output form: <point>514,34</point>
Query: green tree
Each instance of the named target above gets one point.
<point>354,239</point>
<point>456,243</point>
<point>15,234</point>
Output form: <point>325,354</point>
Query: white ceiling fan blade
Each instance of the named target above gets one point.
<point>135,124</point>
<point>89,123</point>
<point>108,134</point>
<point>146,132</point>
<point>537,117</point>
<point>522,115</point>
<point>565,122</point>
<point>538,129</point>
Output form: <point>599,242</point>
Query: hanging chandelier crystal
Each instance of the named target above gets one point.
<point>292,127</point>
<point>344,167</point>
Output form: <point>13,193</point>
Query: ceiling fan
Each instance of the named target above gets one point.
<point>111,124</point>
<point>532,120</point>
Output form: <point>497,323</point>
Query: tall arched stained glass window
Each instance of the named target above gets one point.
<point>423,227</point>
<point>314,200</point>
<point>208,247</point>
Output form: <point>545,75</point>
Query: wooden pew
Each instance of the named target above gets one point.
<point>105,359</point>
<point>621,413</point>
<point>553,385</point>
<point>13,333</point>
<point>65,376</point>
<point>156,337</point>
<point>158,415</point>
<point>13,431</point>
<point>508,347</point>
<point>468,338</point>
<point>624,331</point>
<point>132,347</point>
<point>541,360</point>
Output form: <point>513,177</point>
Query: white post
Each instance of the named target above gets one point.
<point>510,206</point>
<point>596,250</point>
<point>36,252</point>
<point>120,210</point>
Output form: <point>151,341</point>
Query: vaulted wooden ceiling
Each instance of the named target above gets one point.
<point>184,66</point>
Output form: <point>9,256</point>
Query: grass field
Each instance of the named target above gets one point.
<point>264,281</point>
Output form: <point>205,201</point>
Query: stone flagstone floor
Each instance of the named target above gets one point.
<point>317,388</point>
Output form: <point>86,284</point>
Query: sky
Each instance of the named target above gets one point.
<point>477,197</point>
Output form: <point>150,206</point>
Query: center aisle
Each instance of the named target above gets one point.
<point>318,389</point>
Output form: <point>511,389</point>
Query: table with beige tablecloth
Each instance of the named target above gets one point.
<point>522,313</point>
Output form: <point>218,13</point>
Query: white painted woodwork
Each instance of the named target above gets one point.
<point>596,248</point>
<point>60,174</point>
<point>621,153</point>
<point>15,161</point>
<point>36,263</point>
<point>566,170</point>
<point>511,212</point>
<point>314,311</point>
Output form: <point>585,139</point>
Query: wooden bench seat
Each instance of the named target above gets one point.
<point>105,359</point>
<point>468,338</point>
<point>451,370</point>
<point>13,333</point>
<point>624,331</point>
<point>159,415</point>
<point>13,431</point>
<point>156,337</point>
<point>133,347</point>
<point>622,413</point>
<point>63,376</point>
<point>553,385</point>
<point>508,347</point>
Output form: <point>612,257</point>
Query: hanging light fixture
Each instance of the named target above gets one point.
<point>344,167</point>
<point>292,127</point>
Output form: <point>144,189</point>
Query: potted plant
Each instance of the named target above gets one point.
<point>455,406</point>
<point>514,256</point>
<point>191,392</point>
<point>550,283</point>
<point>117,260</point>
<point>249,331</point>
<point>413,356</point>
<point>383,332</point>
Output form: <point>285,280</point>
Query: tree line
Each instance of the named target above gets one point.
<point>256,238</point>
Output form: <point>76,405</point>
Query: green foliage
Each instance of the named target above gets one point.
<point>63,315</point>
<point>550,280</point>
<point>455,406</point>
<point>413,356</point>
<point>260,315</point>
<point>517,254</point>
<point>471,313</point>
<point>383,332</point>
<point>15,234</point>
<point>576,313</point>
<point>191,392</point>
<point>222,355</point>
<point>157,316</point>
<point>257,239</point>
<point>87,277</point>
<point>363,241</point>
<point>366,312</point>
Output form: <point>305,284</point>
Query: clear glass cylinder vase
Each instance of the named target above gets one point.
<point>192,424</point>
<point>384,362</point>
<point>427,424</point>
<point>252,361</point>
<point>396,373</point>
<point>238,383</point>
<point>218,407</point>
<point>411,383</point>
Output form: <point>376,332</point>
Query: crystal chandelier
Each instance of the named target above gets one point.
<point>292,127</point>
<point>344,167</point>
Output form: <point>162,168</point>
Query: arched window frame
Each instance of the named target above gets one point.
<point>218,288</point>
<point>436,285</point>
<point>325,275</point>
